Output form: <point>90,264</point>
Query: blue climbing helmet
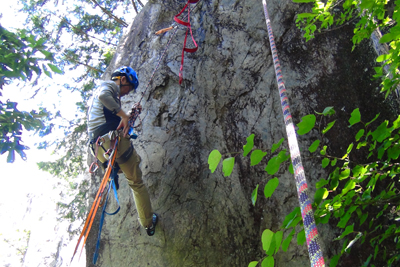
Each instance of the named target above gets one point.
<point>129,73</point>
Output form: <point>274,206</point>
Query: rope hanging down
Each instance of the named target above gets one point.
<point>314,249</point>
<point>96,203</point>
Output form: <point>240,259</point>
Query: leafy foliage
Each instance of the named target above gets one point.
<point>368,16</point>
<point>19,243</point>
<point>82,36</point>
<point>361,198</point>
<point>22,57</point>
<point>12,123</point>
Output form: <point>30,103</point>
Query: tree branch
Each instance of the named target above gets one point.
<point>134,6</point>
<point>79,30</point>
<point>120,21</point>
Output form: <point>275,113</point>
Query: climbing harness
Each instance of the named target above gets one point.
<point>314,249</point>
<point>100,193</point>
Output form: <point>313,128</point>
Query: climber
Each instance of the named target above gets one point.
<point>105,115</point>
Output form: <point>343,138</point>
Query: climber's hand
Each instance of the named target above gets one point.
<point>124,124</point>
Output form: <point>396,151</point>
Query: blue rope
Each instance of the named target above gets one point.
<point>111,184</point>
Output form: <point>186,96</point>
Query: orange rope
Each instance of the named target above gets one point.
<point>96,202</point>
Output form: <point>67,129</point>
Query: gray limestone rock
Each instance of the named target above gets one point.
<point>228,92</point>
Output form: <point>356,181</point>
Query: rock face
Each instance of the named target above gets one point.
<point>229,92</point>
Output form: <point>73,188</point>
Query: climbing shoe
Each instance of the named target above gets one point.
<point>152,229</point>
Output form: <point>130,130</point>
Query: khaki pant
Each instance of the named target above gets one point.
<point>134,176</point>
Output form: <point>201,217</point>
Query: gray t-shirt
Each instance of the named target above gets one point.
<point>103,106</point>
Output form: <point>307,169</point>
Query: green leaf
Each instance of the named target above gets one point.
<point>333,162</point>
<point>314,146</point>
<point>278,240</point>
<point>348,151</point>
<point>368,123</point>
<point>366,263</point>
<point>381,133</point>
<point>396,123</point>
<point>55,68</point>
<point>359,170</point>
<point>360,134</point>
<point>270,187</point>
<point>320,194</point>
<point>48,73</point>
<point>376,251</point>
<point>349,186</point>
<point>11,156</point>
<point>266,239</point>
<point>306,124</point>
<point>253,264</point>
<point>286,242</point>
<point>334,261</point>
<point>290,217</point>
<point>328,127</point>
<point>227,166</point>
<point>385,39</point>
<point>294,222</point>
<point>363,218</point>
<point>384,57</point>
<point>321,183</point>
<point>271,249</point>
<point>268,262</point>
<point>249,145</point>
<point>291,168</point>
<point>256,157</point>
<point>325,162</point>
<point>394,152</point>
<point>47,54</point>
<point>325,219</point>
<point>254,196</point>
<point>349,229</point>
<point>303,1</point>
<point>275,162</point>
<point>355,117</point>
<point>362,144</point>
<point>327,111</point>
<point>323,151</point>
<point>344,174</point>
<point>301,238</point>
<point>306,15</point>
<point>276,146</point>
<point>213,160</point>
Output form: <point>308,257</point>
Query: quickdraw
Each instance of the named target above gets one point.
<point>314,249</point>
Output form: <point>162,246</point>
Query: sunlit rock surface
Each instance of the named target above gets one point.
<point>229,91</point>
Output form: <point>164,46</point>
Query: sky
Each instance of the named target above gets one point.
<point>28,196</point>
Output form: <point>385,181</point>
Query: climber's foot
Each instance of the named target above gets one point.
<point>152,229</point>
